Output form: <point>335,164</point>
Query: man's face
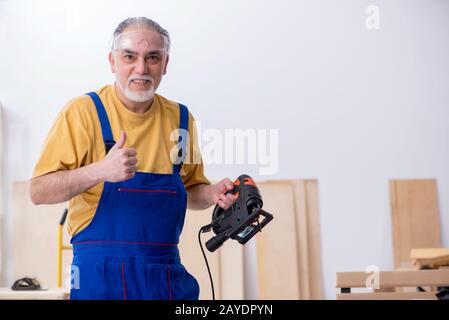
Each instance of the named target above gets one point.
<point>139,60</point>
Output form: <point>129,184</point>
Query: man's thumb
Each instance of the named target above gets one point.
<point>121,142</point>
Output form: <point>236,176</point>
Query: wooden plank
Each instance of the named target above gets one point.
<point>277,244</point>
<point>314,240</point>
<point>3,247</point>
<point>415,218</point>
<point>1,163</point>
<point>388,296</point>
<point>430,257</point>
<point>309,240</point>
<point>302,230</point>
<point>389,279</point>
<point>35,230</point>
<point>192,257</point>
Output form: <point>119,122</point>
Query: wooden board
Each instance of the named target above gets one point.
<point>35,231</point>
<point>415,218</point>
<point>302,225</point>
<point>2,237</point>
<point>289,251</point>
<point>430,257</point>
<point>192,257</point>
<point>314,234</point>
<point>277,244</point>
<point>309,244</point>
<point>390,279</point>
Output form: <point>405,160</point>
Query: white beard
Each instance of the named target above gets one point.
<point>141,96</point>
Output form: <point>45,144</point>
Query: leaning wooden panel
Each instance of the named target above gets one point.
<point>191,256</point>
<point>302,229</point>
<point>2,238</point>
<point>314,240</point>
<point>415,218</point>
<point>1,170</point>
<point>277,252</point>
<point>35,231</point>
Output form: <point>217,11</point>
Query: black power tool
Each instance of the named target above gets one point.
<point>241,221</point>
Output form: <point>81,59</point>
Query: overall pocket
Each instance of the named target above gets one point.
<point>147,213</point>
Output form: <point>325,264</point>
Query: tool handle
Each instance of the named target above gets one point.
<point>233,191</point>
<point>63,217</point>
<point>216,242</point>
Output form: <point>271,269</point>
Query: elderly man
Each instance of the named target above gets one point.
<point>112,154</point>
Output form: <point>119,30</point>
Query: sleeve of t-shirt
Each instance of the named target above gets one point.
<point>67,144</point>
<point>193,168</point>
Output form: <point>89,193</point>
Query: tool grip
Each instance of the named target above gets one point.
<point>215,242</point>
<point>63,217</point>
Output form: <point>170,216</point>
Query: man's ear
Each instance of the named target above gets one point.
<point>112,61</point>
<point>166,64</point>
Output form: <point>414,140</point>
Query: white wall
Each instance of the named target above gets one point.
<point>354,107</point>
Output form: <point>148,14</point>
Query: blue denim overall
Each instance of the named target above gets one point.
<point>130,248</point>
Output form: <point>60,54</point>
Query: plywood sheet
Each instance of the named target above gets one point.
<point>277,244</point>
<point>2,237</point>
<point>302,225</point>
<point>191,255</point>
<point>289,252</point>
<point>35,231</point>
<point>309,238</point>
<point>415,218</point>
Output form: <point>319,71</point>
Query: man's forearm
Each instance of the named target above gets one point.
<point>199,197</point>
<point>61,186</point>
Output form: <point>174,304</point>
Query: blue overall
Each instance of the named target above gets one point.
<point>129,250</point>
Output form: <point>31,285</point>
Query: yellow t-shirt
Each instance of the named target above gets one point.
<point>75,140</point>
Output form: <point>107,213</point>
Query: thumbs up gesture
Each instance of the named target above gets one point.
<point>120,163</point>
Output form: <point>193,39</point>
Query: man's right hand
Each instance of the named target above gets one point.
<point>120,163</point>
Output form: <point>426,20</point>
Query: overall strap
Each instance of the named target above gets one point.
<point>104,121</point>
<point>183,135</point>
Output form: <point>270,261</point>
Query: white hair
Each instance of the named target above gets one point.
<point>147,24</point>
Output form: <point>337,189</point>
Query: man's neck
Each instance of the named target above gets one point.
<point>136,107</point>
